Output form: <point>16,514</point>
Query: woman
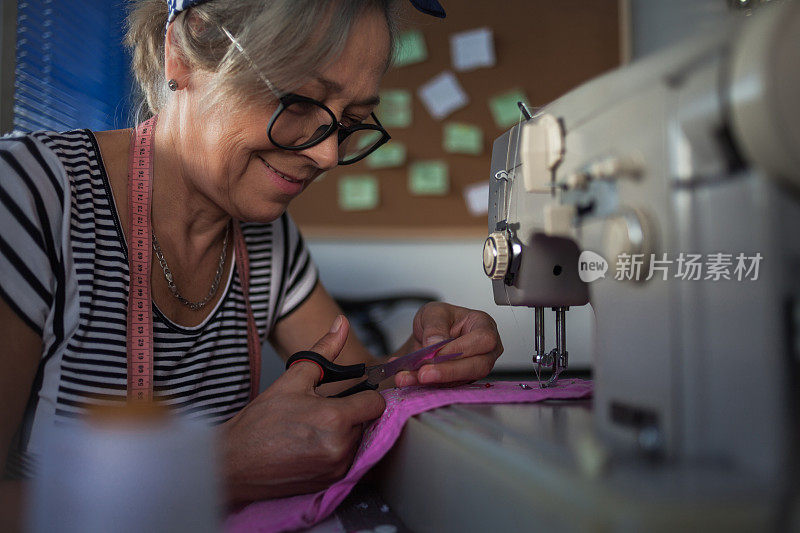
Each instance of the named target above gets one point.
<point>220,75</point>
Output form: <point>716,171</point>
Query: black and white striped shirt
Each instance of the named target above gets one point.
<point>64,271</point>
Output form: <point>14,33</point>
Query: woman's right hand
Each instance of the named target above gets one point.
<point>290,440</point>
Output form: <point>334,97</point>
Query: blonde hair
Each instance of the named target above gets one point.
<point>286,39</point>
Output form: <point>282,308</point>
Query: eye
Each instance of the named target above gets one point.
<point>351,120</point>
<point>301,108</point>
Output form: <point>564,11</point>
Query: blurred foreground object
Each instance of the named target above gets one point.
<point>127,469</point>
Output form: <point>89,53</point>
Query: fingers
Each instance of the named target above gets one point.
<point>405,379</point>
<point>330,345</point>
<point>480,346</point>
<point>477,336</point>
<point>308,374</point>
<point>468,369</point>
<point>433,322</point>
<point>364,406</point>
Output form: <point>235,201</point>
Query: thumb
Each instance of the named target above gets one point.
<point>432,324</point>
<point>435,333</point>
<point>328,346</point>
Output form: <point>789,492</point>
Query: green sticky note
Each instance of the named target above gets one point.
<point>428,178</point>
<point>391,154</point>
<point>410,48</point>
<point>358,192</point>
<point>462,138</point>
<point>504,108</point>
<point>394,110</point>
<point>366,138</point>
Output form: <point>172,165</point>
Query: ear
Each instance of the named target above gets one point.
<point>175,68</point>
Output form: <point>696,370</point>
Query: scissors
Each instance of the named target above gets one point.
<point>331,372</point>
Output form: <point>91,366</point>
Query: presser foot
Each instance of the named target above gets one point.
<point>555,361</point>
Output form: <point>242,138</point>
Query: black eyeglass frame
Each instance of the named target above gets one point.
<point>288,99</point>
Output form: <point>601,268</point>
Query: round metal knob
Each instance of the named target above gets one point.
<point>631,235</point>
<point>496,255</point>
<point>763,83</point>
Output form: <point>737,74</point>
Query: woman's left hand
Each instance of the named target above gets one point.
<point>475,337</point>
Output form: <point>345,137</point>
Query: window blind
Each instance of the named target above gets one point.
<point>71,70</point>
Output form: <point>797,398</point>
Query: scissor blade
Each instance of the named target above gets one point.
<point>412,361</point>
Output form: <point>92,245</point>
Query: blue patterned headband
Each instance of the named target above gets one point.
<point>429,7</point>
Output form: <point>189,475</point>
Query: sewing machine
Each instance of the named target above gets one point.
<point>696,151</point>
<point>613,195</point>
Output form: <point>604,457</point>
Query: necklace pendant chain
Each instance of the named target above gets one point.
<point>173,289</point>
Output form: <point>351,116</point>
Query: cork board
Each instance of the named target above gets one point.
<point>542,47</point>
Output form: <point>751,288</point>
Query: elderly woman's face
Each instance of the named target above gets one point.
<point>251,179</point>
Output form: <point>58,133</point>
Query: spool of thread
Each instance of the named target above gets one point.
<point>142,471</point>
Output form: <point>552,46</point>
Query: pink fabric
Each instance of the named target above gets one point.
<point>296,512</point>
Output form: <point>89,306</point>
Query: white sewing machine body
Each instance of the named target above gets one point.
<point>695,150</point>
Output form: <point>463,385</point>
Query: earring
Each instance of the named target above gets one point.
<point>173,85</point>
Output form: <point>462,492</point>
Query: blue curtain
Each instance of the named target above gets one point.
<point>72,70</point>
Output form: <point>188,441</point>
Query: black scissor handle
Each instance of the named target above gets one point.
<point>331,372</point>
<point>358,387</point>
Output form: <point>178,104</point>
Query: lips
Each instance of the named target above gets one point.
<point>279,173</point>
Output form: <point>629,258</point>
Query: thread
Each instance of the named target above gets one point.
<point>511,209</point>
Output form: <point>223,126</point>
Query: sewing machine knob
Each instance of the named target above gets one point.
<point>632,234</point>
<point>496,255</point>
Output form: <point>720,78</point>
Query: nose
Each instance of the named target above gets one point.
<point>324,154</point>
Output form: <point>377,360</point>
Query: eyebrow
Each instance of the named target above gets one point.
<point>335,87</point>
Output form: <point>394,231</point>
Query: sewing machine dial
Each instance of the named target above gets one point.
<point>496,255</point>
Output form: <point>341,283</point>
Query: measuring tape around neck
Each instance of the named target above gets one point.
<point>140,315</point>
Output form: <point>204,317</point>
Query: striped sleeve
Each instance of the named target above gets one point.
<point>32,187</point>
<point>300,272</point>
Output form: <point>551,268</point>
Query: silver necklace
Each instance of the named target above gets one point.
<point>194,306</point>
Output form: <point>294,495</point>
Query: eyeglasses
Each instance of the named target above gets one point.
<point>300,122</point>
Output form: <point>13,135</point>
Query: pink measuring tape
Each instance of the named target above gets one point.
<point>140,314</point>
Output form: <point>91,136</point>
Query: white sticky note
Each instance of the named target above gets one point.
<point>477,198</point>
<point>472,49</point>
<point>442,95</point>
